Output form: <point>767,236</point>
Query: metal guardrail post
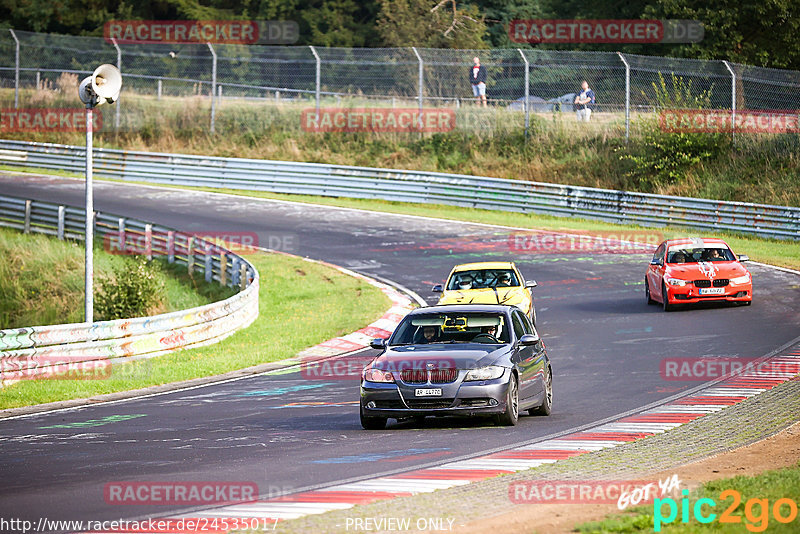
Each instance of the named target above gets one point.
<point>207,266</point>
<point>242,276</point>
<point>159,90</point>
<point>213,85</point>
<point>190,255</point>
<point>170,247</point>
<point>61,210</point>
<point>16,70</point>
<point>527,90</point>
<point>223,269</point>
<point>148,241</point>
<point>627,97</point>
<point>733,100</point>
<point>119,66</point>
<point>27,224</point>
<point>121,234</point>
<point>317,79</point>
<point>420,89</point>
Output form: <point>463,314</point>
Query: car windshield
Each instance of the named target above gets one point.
<point>691,254</point>
<point>482,279</point>
<point>451,328</point>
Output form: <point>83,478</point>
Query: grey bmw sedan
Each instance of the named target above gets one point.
<point>458,360</point>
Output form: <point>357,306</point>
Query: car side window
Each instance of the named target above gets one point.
<point>527,325</point>
<point>519,329</point>
<point>659,255</point>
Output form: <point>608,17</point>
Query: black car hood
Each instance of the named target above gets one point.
<point>460,356</point>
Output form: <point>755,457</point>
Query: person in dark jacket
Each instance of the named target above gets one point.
<point>477,77</point>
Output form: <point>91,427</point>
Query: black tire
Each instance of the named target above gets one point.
<point>547,405</point>
<point>372,423</point>
<point>647,292</point>
<point>511,415</point>
<point>665,300</point>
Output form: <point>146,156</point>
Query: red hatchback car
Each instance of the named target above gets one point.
<point>691,270</point>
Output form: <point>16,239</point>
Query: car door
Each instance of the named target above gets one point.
<point>655,271</point>
<point>525,356</point>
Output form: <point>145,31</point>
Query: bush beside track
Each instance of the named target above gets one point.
<point>301,304</point>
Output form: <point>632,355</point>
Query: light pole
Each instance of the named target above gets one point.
<point>101,87</point>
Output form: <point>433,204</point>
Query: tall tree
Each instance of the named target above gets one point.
<point>431,24</point>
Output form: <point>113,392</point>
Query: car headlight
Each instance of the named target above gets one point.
<point>741,279</point>
<point>485,373</point>
<point>676,282</point>
<point>371,374</point>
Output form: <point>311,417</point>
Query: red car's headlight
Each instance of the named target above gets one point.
<point>377,375</point>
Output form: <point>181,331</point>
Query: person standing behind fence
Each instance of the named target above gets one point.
<point>584,102</point>
<point>477,77</point>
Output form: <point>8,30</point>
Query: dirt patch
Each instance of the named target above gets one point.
<point>300,272</point>
<point>780,450</point>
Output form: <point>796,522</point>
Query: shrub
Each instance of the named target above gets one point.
<point>132,291</point>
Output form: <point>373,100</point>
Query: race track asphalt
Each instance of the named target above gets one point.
<point>288,432</point>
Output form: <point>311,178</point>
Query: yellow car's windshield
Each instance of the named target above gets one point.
<point>482,279</point>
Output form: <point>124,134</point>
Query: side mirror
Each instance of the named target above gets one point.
<point>530,284</point>
<point>528,340</point>
<point>743,258</point>
<point>437,288</point>
<point>656,262</point>
<point>378,343</point>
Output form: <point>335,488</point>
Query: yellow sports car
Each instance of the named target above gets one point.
<point>496,282</point>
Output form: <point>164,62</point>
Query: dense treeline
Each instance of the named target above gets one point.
<point>757,32</point>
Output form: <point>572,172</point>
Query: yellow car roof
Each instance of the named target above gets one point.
<point>483,265</point>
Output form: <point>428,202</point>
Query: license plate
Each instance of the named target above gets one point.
<point>712,291</point>
<point>429,392</point>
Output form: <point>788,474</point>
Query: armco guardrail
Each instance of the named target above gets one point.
<point>57,350</point>
<point>414,186</point>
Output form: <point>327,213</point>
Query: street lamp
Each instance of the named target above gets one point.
<point>101,87</point>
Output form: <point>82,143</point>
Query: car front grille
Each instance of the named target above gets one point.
<point>721,282</point>
<point>429,404</point>
<point>437,376</point>
<point>702,283</point>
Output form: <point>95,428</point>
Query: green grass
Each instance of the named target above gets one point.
<point>43,281</point>
<point>770,485</point>
<point>301,304</point>
<point>485,142</point>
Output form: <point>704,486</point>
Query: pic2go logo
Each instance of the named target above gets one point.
<point>756,511</point>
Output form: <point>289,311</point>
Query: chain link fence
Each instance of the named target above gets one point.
<point>527,81</point>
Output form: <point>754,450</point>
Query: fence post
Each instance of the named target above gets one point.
<point>421,64</point>
<point>527,91</point>
<point>733,100</point>
<point>213,85</point>
<point>190,255</point>
<point>16,70</point>
<point>61,223</point>
<point>27,227</point>
<point>223,269</point>
<point>38,79</point>
<point>159,89</point>
<point>627,97</point>
<point>119,66</point>
<point>317,79</point>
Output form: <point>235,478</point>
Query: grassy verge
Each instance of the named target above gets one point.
<point>487,142</point>
<point>42,281</point>
<point>747,515</point>
<point>301,304</point>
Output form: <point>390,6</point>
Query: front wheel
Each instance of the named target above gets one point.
<point>547,404</point>
<point>372,423</point>
<point>511,415</point>
<point>647,292</point>
<point>665,299</point>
